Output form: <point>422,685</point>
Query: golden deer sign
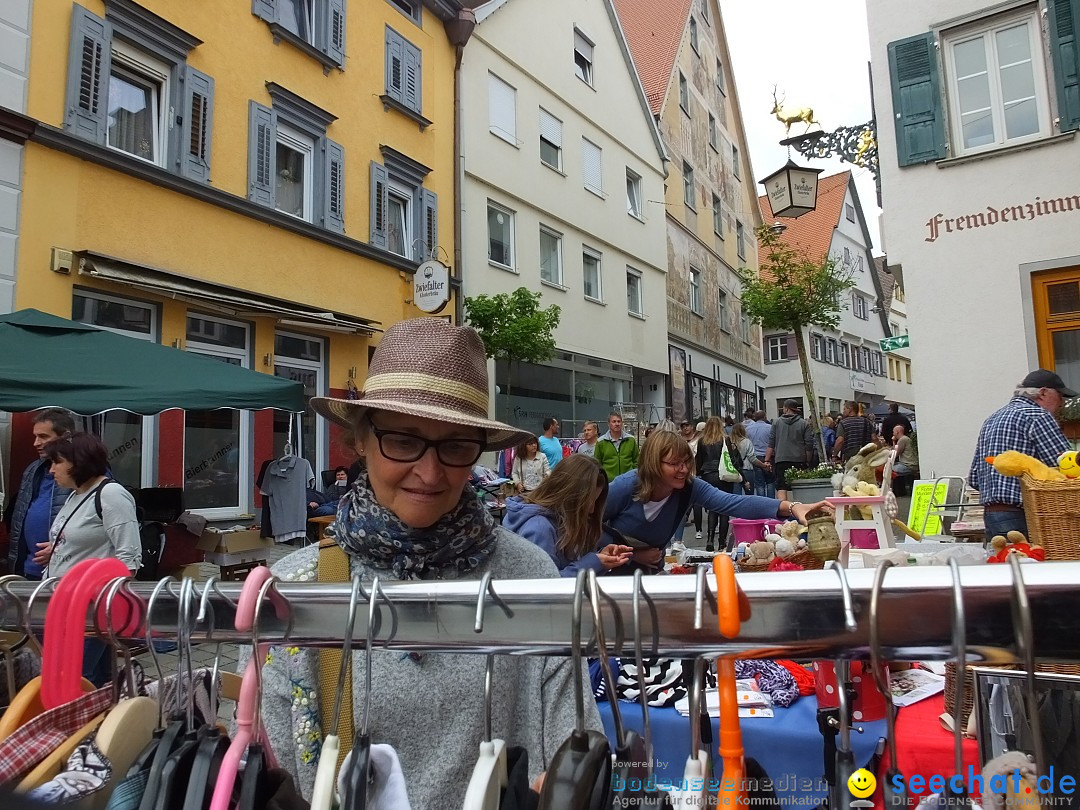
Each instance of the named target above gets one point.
<point>787,117</point>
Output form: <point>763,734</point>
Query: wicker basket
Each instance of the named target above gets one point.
<point>1052,509</point>
<point>802,557</point>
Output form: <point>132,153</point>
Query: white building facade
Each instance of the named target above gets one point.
<point>978,106</point>
<point>561,162</point>
<point>845,363</point>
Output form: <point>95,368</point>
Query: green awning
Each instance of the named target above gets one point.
<point>49,361</point>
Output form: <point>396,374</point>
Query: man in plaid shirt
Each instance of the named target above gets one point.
<point>1025,424</point>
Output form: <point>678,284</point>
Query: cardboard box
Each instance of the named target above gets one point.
<point>233,542</point>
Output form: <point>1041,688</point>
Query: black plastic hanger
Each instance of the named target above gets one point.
<point>253,782</point>
<point>579,777</point>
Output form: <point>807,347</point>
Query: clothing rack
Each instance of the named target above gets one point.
<point>799,615</point>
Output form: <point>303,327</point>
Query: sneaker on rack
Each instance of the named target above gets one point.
<point>697,536</point>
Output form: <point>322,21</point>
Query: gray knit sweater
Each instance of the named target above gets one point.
<point>431,710</point>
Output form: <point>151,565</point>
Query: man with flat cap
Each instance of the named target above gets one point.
<point>1027,424</point>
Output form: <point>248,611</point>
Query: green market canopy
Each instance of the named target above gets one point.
<point>49,361</point>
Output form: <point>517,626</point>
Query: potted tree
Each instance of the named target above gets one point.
<point>812,485</point>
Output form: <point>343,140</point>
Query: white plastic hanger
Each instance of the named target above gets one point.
<point>323,793</point>
<point>696,774</point>
<point>489,777</point>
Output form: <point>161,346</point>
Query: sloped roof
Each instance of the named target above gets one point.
<point>654,31</point>
<point>811,234</point>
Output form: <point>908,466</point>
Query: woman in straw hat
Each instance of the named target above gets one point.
<point>419,426</point>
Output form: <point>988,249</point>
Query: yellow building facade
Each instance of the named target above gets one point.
<point>257,181</point>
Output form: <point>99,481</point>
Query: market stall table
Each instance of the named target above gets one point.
<point>788,746</point>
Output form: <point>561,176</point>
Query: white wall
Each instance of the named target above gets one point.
<point>511,174</point>
<point>969,291</point>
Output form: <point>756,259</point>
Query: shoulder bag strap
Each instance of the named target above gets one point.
<point>334,567</point>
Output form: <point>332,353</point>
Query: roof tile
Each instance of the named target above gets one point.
<point>811,234</point>
<point>654,31</point>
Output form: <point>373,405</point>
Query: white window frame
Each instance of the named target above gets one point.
<point>583,57</point>
<point>415,12</point>
<point>305,145</point>
<point>558,237</point>
<point>633,194</point>
<point>307,10</point>
<point>502,109</point>
<point>684,93</point>
<point>740,240</point>
<point>688,185</point>
<point>405,195</point>
<point>148,461</point>
<point>502,209</point>
<point>777,348</point>
<point>696,305</point>
<point>634,289</point>
<point>599,257</point>
<point>714,138</point>
<point>140,67</point>
<point>858,306</point>
<point>718,215</point>
<point>849,212</point>
<point>244,426</point>
<point>589,148</point>
<point>987,30</point>
<point>830,351</point>
<point>722,297</point>
<point>550,127</point>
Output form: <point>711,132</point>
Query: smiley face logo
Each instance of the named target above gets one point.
<point>861,784</point>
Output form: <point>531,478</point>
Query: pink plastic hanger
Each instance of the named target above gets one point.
<point>257,586</point>
<point>65,627</point>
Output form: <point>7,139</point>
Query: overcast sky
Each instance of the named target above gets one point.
<point>817,53</point>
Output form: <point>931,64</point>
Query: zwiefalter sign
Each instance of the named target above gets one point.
<point>431,286</point>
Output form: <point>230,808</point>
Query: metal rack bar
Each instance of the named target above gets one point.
<point>797,615</point>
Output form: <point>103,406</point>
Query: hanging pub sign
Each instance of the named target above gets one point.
<point>431,286</point>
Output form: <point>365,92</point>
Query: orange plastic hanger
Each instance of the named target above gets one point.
<point>732,609</point>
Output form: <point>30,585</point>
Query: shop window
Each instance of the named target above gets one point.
<point>127,77</point>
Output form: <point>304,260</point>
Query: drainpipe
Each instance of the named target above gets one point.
<point>458,31</point>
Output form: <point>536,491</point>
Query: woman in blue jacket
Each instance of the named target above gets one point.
<point>563,516</point>
<point>645,507</point>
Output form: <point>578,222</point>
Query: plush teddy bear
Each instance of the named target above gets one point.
<point>1015,543</point>
<point>790,530</point>
<point>785,548</point>
<point>761,552</point>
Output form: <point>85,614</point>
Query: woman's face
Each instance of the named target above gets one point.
<point>531,449</point>
<point>61,471</point>
<point>674,469</point>
<point>422,491</point>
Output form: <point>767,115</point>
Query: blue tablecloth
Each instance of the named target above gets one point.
<point>788,746</point>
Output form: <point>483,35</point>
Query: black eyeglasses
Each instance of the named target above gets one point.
<point>407,447</point>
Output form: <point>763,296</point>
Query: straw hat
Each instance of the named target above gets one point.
<point>427,367</point>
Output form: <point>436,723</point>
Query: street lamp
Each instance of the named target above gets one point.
<point>792,190</point>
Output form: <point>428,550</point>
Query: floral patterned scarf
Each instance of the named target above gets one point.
<point>461,540</point>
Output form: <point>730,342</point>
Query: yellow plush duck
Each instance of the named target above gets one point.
<point>1014,463</point>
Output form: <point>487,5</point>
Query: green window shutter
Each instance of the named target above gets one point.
<point>89,65</point>
<point>430,225</point>
<point>917,100</point>
<point>334,187</point>
<point>380,182</point>
<point>198,124</point>
<point>262,155</point>
<point>264,9</point>
<point>1065,47</point>
<point>335,31</point>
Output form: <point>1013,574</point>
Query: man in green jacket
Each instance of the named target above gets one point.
<point>615,452</point>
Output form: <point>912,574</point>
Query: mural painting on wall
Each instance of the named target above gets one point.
<point>677,360</point>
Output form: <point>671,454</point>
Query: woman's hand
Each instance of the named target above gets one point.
<point>800,511</point>
<point>44,554</point>
<point>614,556</point>
<point>648,556</point>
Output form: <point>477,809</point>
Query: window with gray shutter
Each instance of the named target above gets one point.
<point>430,229</point>
<point>262,151</point>
<point>403,71</point>
<point>502,113</point>
<point>88,75</point>
<point>592,166</point>
<point>334,188</point>
<point>550,139</point>
<point>316,27</point>
<point>380,189</point>
<point>198,121</point>
<point>917,103</point>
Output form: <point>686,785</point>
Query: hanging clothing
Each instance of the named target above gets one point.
<point>772,679</point>
<point>518,794</point>
<point>128,794</point>
<point>285,483</point>
<point>36,739</point>
<point>86,772</point>
<point>533,703</point>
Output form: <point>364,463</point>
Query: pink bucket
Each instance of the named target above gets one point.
<point>750,531</point>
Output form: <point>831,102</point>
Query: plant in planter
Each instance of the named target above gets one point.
<point>813,484</point>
